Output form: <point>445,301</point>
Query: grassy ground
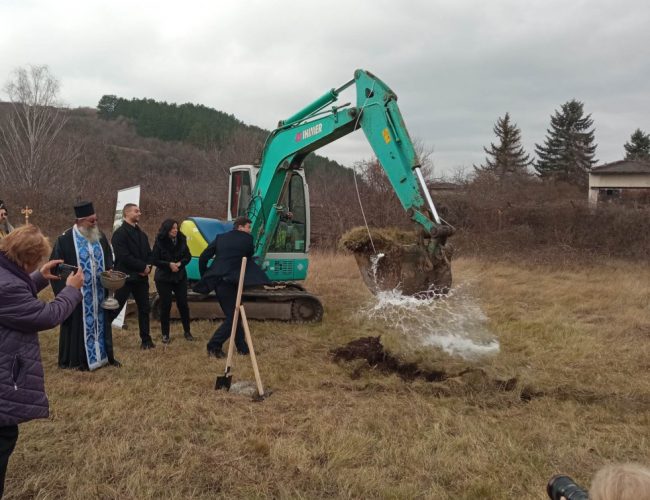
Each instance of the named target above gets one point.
<point>576,340</point>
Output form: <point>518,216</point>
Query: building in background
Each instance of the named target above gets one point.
<point>626,182</point>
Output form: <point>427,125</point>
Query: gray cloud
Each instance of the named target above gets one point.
<point>456,66</point>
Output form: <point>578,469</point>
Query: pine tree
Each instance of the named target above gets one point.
<point>639,146</point>
<point>569,149</point>
<point>106,107</point>
<point>509,156</point>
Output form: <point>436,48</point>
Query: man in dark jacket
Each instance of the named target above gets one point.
<point>228,249</point>
<point>133,257</point>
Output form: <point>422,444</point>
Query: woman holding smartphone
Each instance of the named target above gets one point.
<point>22,316</point>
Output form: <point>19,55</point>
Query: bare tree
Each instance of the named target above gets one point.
<point>424,154</point>
<point>242,147</point>
<point>30,154</point>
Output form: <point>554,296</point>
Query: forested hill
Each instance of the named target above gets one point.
<point>198,125</point>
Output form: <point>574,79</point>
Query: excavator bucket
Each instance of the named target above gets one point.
<point>391,259</point>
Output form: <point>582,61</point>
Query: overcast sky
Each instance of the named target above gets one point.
<point>456,66</point>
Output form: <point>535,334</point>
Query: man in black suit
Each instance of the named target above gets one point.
<point>228,249</point>
<point>133,257</point>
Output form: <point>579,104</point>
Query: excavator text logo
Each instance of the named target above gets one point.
<point>309,132</point>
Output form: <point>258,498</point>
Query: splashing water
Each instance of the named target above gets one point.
<point>374,260</point>
<point>454,322</point>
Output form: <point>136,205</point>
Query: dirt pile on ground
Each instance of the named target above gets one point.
<point>459,381</point>
<point>370,349</point>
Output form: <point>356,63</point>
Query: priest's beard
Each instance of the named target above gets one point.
<point>6,227</point>
<point>92,234</point>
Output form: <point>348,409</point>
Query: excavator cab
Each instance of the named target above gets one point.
<point>287,255</point>
<point>284,262</point>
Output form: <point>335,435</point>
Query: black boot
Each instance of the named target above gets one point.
<point>188,336</point>
<point>147,344</point>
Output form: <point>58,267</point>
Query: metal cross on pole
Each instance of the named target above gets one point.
<point>26,212</point>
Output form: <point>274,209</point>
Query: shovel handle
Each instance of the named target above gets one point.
<point>249,341</point>
<point>235,319</point>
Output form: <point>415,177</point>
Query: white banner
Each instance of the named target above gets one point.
<point>124,196</point>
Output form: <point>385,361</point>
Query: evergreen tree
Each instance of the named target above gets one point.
<point>509,156</point>
<point>106,107</point>
<point>639,146</point>
<point>569,150</point>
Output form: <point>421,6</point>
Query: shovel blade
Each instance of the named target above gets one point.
<point>223,382</point>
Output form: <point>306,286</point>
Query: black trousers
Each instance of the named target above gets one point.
<point>140,291</point>
<point>227,295</point>
<point>8,438</point>
<point>165,291</point>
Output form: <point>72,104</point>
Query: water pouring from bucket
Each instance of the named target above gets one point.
<point>453,323</point>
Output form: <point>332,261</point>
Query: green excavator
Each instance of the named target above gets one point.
<point>275,196</point>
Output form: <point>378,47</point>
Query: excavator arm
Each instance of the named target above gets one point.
<point>315,126</point>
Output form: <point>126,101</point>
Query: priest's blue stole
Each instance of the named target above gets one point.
<point>90,257</point>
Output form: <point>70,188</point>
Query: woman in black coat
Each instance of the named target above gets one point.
<point>170,256</point>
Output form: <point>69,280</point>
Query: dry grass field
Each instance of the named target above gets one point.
<point>568,392</point>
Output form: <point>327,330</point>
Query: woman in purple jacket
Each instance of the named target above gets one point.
<point>22,316</point>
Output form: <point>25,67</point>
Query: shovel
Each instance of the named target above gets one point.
<point>249,340</point>
<point>224,381</point>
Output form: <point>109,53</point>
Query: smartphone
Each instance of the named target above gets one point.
<point>64,270</point>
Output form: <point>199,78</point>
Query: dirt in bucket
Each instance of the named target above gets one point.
<point>390,258</point>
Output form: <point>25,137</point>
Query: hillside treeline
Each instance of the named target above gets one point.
<point>199,125</point>
<point>206,128</point>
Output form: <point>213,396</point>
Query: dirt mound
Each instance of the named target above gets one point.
<point>466,380</point>
<point>370,349</point>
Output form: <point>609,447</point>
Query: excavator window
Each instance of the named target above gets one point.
<point>292,229</point>
<point>240,195</point>
<point>297,200</point>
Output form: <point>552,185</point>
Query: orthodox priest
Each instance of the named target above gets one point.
<point>86,340</point>
<point>5,226</point>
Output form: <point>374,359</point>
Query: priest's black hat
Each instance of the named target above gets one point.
<point>84,209</point>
